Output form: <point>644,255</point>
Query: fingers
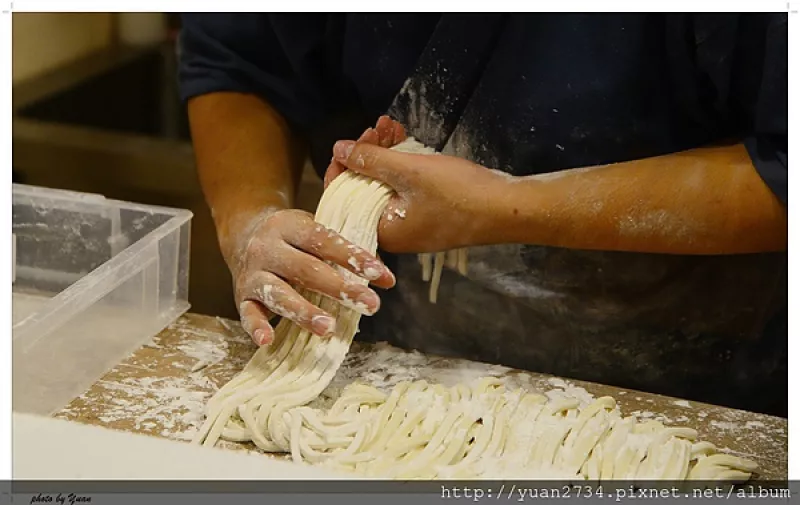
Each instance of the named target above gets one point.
<point>293,248</point>
<point>255,321</point>
<point>279,297</point>
<point>387,133</point>
<point>399,134</point>
<point>385,128</point>
<point>370,136</point>
<point>328,245</point>
<point>389,166</point>
<point>335,168</point>
<point>390,132</point>
<point>308,272</point>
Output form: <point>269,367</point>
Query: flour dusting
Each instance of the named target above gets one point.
<point>163,396</point>
<point>172,407</point>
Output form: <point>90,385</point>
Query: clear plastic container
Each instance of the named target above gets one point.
<point>93,280</point>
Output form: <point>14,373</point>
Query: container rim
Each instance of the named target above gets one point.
<point>65,194</point>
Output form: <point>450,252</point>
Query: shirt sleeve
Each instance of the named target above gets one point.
<point>280,58</point>
<point>767,143</point>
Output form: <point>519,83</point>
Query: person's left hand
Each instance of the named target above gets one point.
<point>387,133</point>
<point>442,202</point>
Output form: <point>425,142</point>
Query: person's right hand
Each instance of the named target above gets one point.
<point>286,249</point>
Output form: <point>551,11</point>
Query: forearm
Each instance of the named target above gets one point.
<point>703,201</point>
<point>247,160</point>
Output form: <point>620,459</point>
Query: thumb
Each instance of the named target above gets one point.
<point>388,166</point>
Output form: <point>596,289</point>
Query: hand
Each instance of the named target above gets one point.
<point>286,248</point>
<point>442,202</point>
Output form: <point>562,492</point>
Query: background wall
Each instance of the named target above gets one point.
<point>43,41</point>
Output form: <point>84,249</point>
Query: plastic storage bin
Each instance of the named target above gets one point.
<point>93,280</point>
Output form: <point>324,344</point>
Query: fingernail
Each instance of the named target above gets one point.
<point>370,302</point>
<point>258,336</point>
<point>373,271</point>
<point>262,337</point>
<point>323,325</point>
<point>342,149</point>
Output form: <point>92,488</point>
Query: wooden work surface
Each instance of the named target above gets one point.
<point>161,390</point>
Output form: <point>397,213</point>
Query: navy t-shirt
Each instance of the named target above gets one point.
<point>575,90</point>
<point>535,93</point>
